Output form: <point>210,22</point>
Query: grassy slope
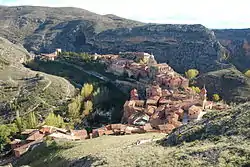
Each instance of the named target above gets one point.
<point>221,139</point>
<point>31,92</point>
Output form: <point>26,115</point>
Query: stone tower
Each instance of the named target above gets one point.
<point>203,95</point>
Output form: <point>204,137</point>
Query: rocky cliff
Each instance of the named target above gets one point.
<point>237,42</point>
<point>42,29</point>
<point>182,46</point>
<point>229,83</point>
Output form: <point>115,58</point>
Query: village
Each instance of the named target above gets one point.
<point>167,102</point>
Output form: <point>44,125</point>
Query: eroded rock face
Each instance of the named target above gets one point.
<point>181,46</point>
<point>237,42</point>
<point>230,84</point>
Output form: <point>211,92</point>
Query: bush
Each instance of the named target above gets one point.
<point>247,73</point>
<point>196,89</point>
<point>191,73</point>
<point>216,97</point>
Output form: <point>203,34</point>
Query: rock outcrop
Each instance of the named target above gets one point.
<point>229,83</point>
<point>237,42</point>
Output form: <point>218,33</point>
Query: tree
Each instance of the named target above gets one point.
<point>196,89</point>
<point>216,97</point>
<point>32,121</point>
<point>20,124</point>
<point>74,107</point>
<point>53,120</point>
<point>6,131</point>
<point>191,73</point>
<point>88,107</point>
<point>247,73</point>
<point>87,90</point>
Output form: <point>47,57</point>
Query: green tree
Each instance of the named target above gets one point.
<point>191,73</point>
<point>87,90</point>
<point>216,97</point>
<point>88,107</point>
<point>20,124</point>
<point>74,107</point>
<point>32,121</point>
<point>54,120</point>
<point>247,73</point>
<point>196,89</point>
<point>6,131</point>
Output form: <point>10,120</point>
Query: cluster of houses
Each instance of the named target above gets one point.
<point>34,137</point>
<point>50,56</point>
<point>142,66</point>
<point>169,103</point>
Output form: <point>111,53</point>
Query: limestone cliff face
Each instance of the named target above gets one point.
<point>182,46</point>
<point>237,42</point>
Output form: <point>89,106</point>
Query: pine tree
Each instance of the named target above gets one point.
<point>88,107</point>
<point>53,120</point>
<point>74,107</point>
<point>32,121</point>
<point>87,90</point>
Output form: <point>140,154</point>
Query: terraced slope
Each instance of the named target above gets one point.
<point>24,90</point>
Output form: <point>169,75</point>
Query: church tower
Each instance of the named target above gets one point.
<point>203,95</point>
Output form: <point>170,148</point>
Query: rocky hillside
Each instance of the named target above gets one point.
<point>42,29</point>
<point>237,42</point>
<point>182,46</point>
<point>24,90</point>
<point>229,83</point>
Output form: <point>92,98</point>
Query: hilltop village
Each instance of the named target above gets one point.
<point>167,102</point>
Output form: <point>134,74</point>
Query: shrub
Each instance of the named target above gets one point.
<point>216,97</point>
<point>196,89</point>
<point>54,120</point>
<point>191,73</point>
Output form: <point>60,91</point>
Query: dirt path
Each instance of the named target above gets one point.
<point>46,87</point>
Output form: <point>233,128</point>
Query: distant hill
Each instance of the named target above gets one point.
<point>24,90</point>
<point>38,27</point>
<point>42,29</point>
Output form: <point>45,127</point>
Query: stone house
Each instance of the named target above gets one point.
<point>154,90</point>
<point>157,69</point>
<point>194,112</point>
<point>118,66</point>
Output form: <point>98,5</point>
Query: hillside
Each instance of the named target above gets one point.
<point>42,29</point>
<point>237,42</point>
<point>25,90</point>
<point>220,139</point>
<point>230,84</point>
<point>68,28</point>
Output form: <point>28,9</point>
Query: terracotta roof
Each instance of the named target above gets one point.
<point>28,131</point>
<point>36,136</point>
